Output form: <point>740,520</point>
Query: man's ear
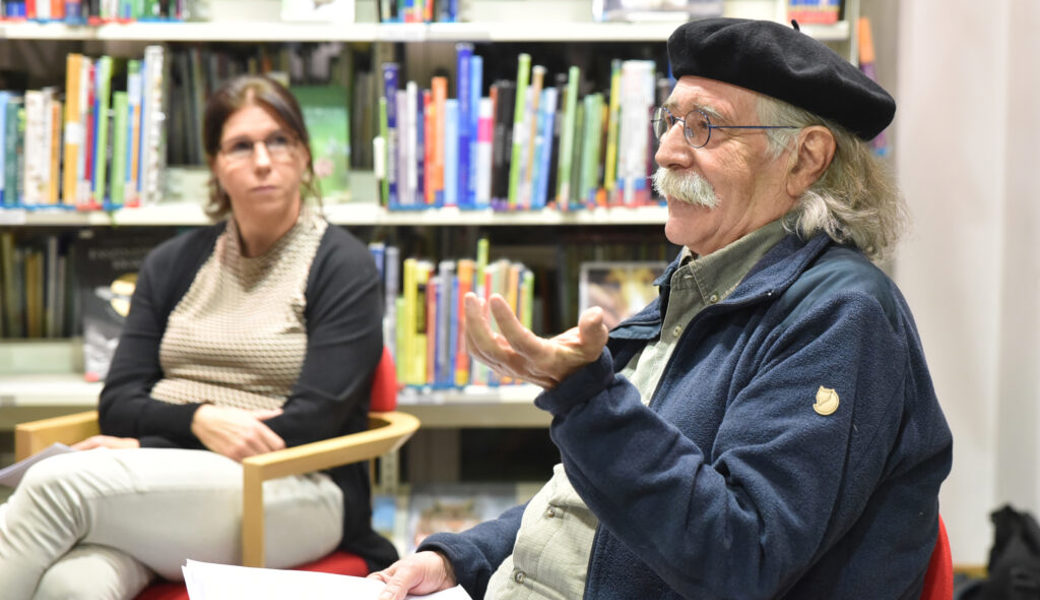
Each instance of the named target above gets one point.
<point>813,154</point>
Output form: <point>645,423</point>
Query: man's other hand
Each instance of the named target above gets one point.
<point>421,573</point>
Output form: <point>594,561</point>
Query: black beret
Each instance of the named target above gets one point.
<point>780,61</point>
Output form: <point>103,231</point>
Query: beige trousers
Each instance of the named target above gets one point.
<point>100,524</point>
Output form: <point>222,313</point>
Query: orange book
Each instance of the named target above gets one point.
<point>435,167</point>
<point>428,143</point>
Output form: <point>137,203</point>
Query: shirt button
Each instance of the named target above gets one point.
<point>550,512</point>
<point>713,299</point>
<point>518,576</point>
<point>677,330</point>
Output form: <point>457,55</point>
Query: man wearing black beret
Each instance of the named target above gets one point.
<point>766,428</point>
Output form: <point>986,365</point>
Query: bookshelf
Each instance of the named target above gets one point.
<point>25,396</point>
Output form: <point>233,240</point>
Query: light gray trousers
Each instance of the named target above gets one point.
<point>100,524</point>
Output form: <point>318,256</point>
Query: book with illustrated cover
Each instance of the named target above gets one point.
<point>621,289</point>
<point>443,507</point>
<point>106,269</point>
<point>325,112</point>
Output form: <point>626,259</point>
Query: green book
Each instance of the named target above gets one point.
<point>101,114</point>
<point>520,131</point>
<point>117,185</point>
<point>563,169</point>
<point>14,132</point>
<point>384,133</point>
<point>327,117</point>
<point>590,152</point>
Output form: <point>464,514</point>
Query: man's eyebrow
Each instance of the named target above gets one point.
<point>707,109</point>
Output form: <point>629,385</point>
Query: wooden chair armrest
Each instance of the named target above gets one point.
<point>387,431</point>
<point>31,437</point>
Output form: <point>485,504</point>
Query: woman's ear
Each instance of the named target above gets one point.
<point>814,152</point>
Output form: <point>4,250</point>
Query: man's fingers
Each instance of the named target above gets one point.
<point>521,340</point>
<point>594,331</point>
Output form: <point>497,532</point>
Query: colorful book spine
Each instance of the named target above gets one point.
<point>613,115</point>
<point>54,123</point>
<point>379,156</point>
<point>566,151</point>
<point>117,185</point>
<point>103,83</point>
<point>476,83</point>
<point>531,114</point>
<point>520,128</point>
<point>36,147</point>
<point>73,128</point>
<point>439,90</point>
<point>153,145</point>
<point>451,152</point>
<point>543,148</point>
<point>466,270</point>
<point>485,137</point>
<point>391,74</point>
<point>5,97</point>
<point>463,92</point>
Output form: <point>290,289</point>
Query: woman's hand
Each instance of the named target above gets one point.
<point>234,432</point>
<point>106,441</point>
<point>421,573</point>
<point>518,352</point>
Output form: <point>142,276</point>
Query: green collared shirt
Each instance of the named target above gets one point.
<point>551,553</point>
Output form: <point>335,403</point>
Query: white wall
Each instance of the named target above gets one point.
<point>967,156</point>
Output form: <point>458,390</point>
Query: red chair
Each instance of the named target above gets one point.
<point>388,430</point>
<point>938,580</point>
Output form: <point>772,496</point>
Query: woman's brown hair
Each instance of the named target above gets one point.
<point>268,94</point>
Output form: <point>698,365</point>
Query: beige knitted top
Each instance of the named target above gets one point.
<point>238,336</point>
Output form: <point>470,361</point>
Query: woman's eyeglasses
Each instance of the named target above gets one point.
<point>279,146</point>
<point>696,125</point>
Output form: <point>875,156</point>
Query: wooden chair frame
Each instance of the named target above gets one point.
<point>387,432</point>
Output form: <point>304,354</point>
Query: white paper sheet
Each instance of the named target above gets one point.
<point>11,475</point>
<point>210,581</point>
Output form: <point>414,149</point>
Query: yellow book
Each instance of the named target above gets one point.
<point>406,345</point>
<point>74,133</point>
<point>55,150</point>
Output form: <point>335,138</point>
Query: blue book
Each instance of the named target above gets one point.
<point>464,91</point>
<point>451,152</point>
<point>420,146</point>
<point>391,75</point>
<point>543,147</point>
<point>476,79</point>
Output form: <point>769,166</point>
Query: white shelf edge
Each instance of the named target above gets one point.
<point>278,31</point>
<point>185,213</point>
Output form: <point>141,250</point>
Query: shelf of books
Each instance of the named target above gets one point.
<point>278,31</point>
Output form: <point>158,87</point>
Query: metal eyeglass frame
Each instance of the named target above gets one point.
<point>662,113</point>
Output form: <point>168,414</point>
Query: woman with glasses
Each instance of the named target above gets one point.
<point>256,333</point>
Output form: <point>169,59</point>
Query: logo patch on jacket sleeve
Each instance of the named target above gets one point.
<point>826,401</point>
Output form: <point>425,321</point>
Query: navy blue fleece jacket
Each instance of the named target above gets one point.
<point>729,484</point>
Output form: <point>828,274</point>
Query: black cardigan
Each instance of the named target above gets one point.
<point>330,397</point>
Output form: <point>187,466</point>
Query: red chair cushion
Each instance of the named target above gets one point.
<point>384,384</point>
<point>938,580</point>
<point>340,563</point>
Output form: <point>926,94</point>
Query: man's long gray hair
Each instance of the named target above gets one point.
<point>856,201</point>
